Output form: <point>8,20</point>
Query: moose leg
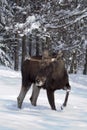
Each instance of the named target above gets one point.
<point>50,95</point>
<point>21,96</point>
<point>35,94</point>
<point>66,99</point>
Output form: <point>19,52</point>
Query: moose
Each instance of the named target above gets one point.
<point>52,76</point>
<point>44,72</point>
<point>29,71</point>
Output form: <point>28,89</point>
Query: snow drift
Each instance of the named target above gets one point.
<point>41,117</point>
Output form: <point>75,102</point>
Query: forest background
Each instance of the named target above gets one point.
<point>27,27</point>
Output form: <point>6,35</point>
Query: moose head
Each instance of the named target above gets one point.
<point>50,69</point>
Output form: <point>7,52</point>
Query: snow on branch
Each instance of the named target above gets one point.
<point>28,26</point>
<point>4,59</point>
<point>78,15</point>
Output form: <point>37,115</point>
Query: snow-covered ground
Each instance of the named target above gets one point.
<point>41,117</point>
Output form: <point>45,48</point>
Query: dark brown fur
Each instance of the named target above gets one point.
<point>56,78</point>
<point>54,72</point>
<point>29,71</point>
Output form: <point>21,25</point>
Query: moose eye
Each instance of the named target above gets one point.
<point>37,80</point>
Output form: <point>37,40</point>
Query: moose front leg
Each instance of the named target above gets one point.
<point>66,99</point>
<point>35,94</point>
<point>50,95</point>
<point>21,96</point>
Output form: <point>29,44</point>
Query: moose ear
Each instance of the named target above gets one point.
<point>45,54</point>
<point>59,55</point>
<point>46,59</point>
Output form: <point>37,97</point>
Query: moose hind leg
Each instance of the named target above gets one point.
<point>66,99</point>
<point>50,95</point>
<point>21,96</point>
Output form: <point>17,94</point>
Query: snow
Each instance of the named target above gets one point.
<point>41,117</point>
<point>5,58</point>
<point>27,27</point>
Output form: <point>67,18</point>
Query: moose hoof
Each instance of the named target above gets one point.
<point>32,102</point>
<point>53,108</point>
<point>62,107</point>
<point>19,103</point>
<point>31,99</point>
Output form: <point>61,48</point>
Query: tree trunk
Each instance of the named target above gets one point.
<point>16,58</point>
<point>43,44</point>
<point>24,50</point>
<point>30,44</point>
<point>17,2</point>
<point>47,46</point>
<point>73,67</point>
<point>85,65</point>
<point>16,53</point>
<point>37,46</point>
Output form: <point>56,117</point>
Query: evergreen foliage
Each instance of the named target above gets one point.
<point>28,26</point>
